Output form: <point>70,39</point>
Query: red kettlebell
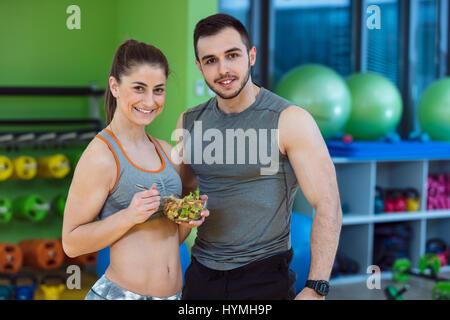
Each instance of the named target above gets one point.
<point>389,202</point>
<point>399,201</point>
<point>442,258</point>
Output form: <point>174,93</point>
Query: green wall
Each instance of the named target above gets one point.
<point>37,49</point>
<point>168,25</point>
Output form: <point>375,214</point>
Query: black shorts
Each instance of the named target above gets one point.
<point>266,279</point>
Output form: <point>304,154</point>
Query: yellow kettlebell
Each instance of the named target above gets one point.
<point>55,166</point>
<point>412,200</point>
<point>54,291</point>
<point>25,168</point>
<point>6,168</point>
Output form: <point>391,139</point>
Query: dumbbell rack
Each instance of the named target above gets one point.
<point>56,135</point>
<point>357,180</point>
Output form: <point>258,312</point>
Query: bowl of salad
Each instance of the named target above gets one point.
<point>184,209</point>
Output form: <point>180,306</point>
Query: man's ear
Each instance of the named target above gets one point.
<point>252,56</point>
<point>199,66</point>
<point>113,87</point>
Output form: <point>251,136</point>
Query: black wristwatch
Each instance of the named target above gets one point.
<point>320,286</point>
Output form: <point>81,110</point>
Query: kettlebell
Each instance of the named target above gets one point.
<point>24,292</point>
<point>6,291</point>
<point>379,203</point>
<point>412,199</point>
<point>52,291</point>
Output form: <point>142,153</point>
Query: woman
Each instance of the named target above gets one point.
<point>144,245</point>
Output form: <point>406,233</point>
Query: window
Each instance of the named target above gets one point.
<point>424,50</point>
<point>426,45</point>
<point>240,9</point>
<point>316,31</point>
<point>383,43</point>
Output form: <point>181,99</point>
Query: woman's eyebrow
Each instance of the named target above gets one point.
<point>141,83</point>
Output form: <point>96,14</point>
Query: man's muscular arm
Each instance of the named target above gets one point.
<point>301,140</point>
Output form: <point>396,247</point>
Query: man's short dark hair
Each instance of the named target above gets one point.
<point>214,24</point>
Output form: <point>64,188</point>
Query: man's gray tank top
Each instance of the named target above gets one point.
<point>250,206</point>
<point>129,174</point>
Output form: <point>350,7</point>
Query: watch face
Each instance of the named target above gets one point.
<point>323,288</point>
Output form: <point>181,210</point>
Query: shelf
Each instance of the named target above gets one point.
<point>395,217</point>
<point>357,179</point>
<point>51,91</point>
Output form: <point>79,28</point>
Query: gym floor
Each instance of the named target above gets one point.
<point>419,289</point>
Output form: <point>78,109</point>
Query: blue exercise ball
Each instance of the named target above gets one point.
<point>185,258</point>
<point>301,261</point>
<point>103,259</point>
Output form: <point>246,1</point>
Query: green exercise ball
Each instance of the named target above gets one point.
<point>434,110</point>
<point>377,106</point>
<point>322,92</point>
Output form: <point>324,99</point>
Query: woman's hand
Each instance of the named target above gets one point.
<point>204,214</point>
<point>144,204</point>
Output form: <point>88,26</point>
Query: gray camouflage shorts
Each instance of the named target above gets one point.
<point>104,289</point>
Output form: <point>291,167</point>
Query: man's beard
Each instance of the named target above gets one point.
<point>236,93</point>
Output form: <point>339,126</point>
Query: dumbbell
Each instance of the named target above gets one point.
<point>59,204</point>
<point>430,261</point>
<point>5,210</point>
<point>11,258</point>
<point>56,166</point>
<point>25,168</point>
<point>401,270</point>
<point>438,195</point>
<point>6,168</point>
<point>44,254</point>
<point>32,207</point>
<point>393,293</point>
<point>441,291</point>
<point>52,291</point>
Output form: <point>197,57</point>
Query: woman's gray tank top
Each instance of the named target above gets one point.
<point>129,174</point>
<point>250,205</point>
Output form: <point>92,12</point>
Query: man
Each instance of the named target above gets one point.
<point>242,250</point>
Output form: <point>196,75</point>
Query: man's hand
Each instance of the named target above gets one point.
<point>309,294</point>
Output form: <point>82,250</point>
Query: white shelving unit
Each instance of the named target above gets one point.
<point>357,180</point>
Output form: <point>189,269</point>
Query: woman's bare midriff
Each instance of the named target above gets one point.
<point>146,259</point>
